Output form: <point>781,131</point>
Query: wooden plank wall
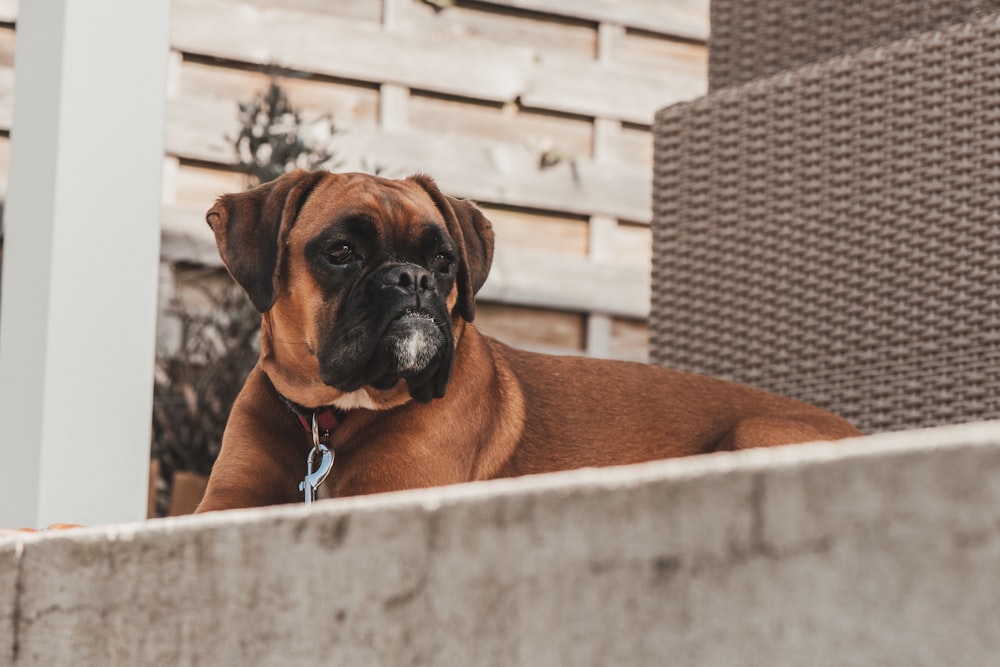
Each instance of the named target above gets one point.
<point>472,92</point>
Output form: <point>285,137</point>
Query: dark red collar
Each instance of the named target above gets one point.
<point>328,417</point>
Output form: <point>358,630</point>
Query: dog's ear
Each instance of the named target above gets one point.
<point>251,228</point>
<point>474,234</point>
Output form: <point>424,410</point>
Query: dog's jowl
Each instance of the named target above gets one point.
<point>366,287</point>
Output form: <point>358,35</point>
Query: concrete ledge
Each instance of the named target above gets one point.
<point>880,551</point>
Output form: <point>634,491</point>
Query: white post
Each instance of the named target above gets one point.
<point>81,250</point>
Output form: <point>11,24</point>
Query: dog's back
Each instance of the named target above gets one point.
<point>595,412</point>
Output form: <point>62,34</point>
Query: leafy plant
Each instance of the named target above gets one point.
<point>195,387</point>
<point>275,137</point>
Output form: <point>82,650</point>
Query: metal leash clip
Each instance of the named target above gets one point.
<point>310,485</point>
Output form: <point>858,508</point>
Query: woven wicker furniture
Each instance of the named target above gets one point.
<point>752,39</point>
<point>833,232</point>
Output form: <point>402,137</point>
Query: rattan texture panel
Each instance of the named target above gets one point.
<point>751,39</point>
<point>833,233</point>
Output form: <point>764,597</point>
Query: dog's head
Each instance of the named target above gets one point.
<point>362,282</point>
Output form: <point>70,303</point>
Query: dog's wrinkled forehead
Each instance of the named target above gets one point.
<point>404,205</point>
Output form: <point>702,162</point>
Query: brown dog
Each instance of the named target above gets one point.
<point>366,287</point>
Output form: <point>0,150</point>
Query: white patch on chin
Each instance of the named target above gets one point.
<point>359,398</point>
<point>414,351</point>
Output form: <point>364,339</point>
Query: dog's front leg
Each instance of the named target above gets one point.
<point>252,476</point>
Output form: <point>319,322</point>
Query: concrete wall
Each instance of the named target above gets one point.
<point>881,551</point>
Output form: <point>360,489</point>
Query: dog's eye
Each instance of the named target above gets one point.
<point>442,262</point>
<point>340,253</point>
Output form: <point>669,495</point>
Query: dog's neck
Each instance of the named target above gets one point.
<point>296,377</point>
<point>327,418</point>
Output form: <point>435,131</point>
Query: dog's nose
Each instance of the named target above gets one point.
<point>409,277</point>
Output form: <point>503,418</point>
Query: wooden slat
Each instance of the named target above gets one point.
<point>607,138</point>
<point>350,49</point>
<point>647,50</point>
<point>629,340</point>
<point>394,107</point>
<point>8,41</point>
<point>186,492</point>
<point>186,237</point>
<point>202,128</point>
<point>350,105</point>
<point>198,187</point>
<point>598,335</point>
<point>609,37</point>
<point>395,14</point>
<point>602,230</point>
<point>632,243</point>
<point>613,91</point>
<point>546,280</point>
<point>549,38</point>
<point>683,18</point>
<point>367,10</point>
<point>571,137</point>
<point>635,146</point>
<point>530,328</point>
<point>549,233</point>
